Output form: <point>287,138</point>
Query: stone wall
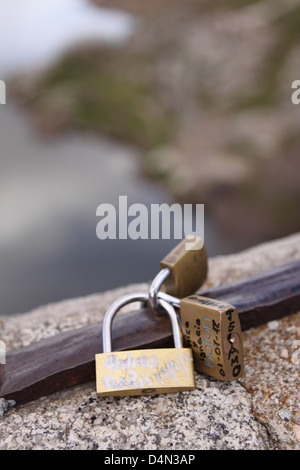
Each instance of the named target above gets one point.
<point>260,411</point>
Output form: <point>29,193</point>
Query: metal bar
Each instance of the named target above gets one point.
<point>67,359</point>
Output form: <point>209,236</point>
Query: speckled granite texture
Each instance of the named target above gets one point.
<point>260,411</point>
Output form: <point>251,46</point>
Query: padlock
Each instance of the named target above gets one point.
<point>212,329</point>
<point>188,267</point>
<point>143,372</point>
<point>182,272</point>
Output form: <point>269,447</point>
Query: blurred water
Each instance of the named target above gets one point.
<point>49,192</point>
<point>50,189</point>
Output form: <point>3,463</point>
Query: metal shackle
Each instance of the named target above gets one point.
<point>171,299</point>
<point>138,297</point>
<point>155,288</point>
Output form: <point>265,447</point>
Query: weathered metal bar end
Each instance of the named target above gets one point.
<point>270,295</point>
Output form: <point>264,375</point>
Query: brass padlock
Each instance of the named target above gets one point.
<point>182,272</point>
<point>188,267</point>
<point>212,329</point>
<point>143,372</point>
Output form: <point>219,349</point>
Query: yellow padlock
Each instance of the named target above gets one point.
<point>143,372</point>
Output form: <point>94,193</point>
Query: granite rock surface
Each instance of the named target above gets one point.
<point>259,411</point>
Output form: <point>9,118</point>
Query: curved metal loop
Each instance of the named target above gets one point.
<point>138,297</point>
<point>174,301</point>
<point>154,290</point>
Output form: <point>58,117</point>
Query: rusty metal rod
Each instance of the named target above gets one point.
<point>68,358</point>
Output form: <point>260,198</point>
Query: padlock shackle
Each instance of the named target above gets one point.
<point>138,297</point>
<point>155,287</point>
<point>175,301</point>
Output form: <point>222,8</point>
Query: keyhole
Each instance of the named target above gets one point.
<point>232,340</point>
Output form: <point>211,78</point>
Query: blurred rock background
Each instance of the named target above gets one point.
<point>205,89</point>
<point>201,91</point>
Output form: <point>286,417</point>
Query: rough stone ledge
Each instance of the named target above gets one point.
<point>260,411</point>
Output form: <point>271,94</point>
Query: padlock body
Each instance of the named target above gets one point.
<point>212,329</point>
<point>188,265</point>
<point>144,372</point>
